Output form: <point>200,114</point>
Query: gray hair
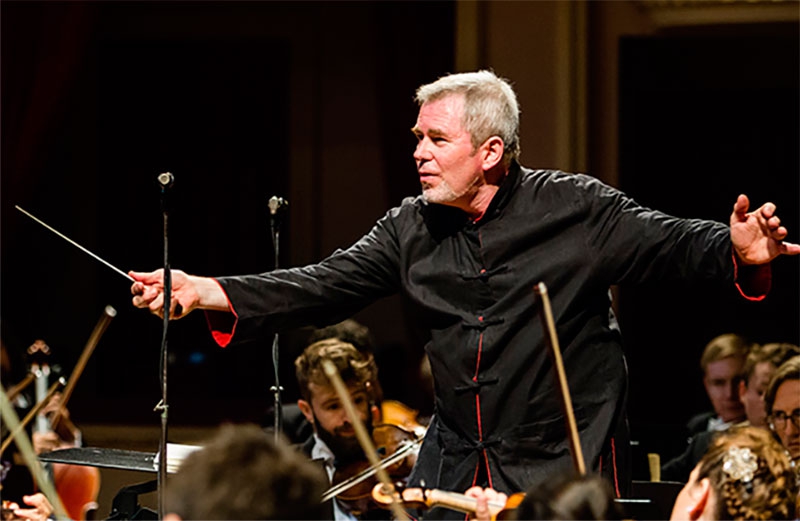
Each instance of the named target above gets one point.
<point>490,107</point>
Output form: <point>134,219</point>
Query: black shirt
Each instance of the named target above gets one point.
<point>471,283</point>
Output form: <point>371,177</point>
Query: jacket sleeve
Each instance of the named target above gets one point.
<point>317,294</point>
<point>632,243</point>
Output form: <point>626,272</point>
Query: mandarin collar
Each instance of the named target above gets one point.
<point>503,194</point>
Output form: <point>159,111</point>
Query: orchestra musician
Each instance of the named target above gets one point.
<point>466,254</point>
<point>295,426</point>
<point>77,486</point>
<point>333,443</point>
<point>242,473</point>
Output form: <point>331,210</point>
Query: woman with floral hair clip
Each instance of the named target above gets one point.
<point>745,474</point>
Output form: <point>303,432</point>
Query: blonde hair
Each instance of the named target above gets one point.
<point>769,491</point>
<point>725,346</point>
<point>775,353</point>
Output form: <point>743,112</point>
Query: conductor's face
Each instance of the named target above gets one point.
<point>450,170</point>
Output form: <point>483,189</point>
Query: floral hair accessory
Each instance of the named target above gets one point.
<point>740,464</point>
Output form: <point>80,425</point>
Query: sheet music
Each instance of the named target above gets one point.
<point>176,453</point>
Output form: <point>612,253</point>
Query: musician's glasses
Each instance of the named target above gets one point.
<point>777,420</point>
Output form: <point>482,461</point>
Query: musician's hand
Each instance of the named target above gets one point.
<point>45,442</point>
<point>52,406</point>
<point>483,497</point>
<point>40,511</point>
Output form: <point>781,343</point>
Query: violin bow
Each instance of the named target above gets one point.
<point>368,472</point>
<point>33,412</point>
<point>21,386</point>
<point>100,328</point>
<point>548,323</point>
<point>361,434</point>
<point>25,448</point>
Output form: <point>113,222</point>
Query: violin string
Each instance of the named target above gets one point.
<point>358,478</point>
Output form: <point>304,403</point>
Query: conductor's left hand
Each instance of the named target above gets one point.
<point>757,236</point>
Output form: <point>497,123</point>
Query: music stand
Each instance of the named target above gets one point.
<point>126,503</point>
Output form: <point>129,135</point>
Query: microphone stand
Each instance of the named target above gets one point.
<point>165,180</point>
<point>275,205</point>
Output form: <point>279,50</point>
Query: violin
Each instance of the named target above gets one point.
<point>400,414</point>
<point>397,451</point>
<point>424,499</point>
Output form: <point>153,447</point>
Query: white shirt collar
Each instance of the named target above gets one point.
<point>716,424</point>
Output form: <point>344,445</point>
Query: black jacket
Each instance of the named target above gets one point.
<point>471,284</point>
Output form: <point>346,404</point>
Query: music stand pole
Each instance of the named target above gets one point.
<point>165,180</point>
<point>275,205</point>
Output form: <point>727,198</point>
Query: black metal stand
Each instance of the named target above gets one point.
<point>126,502</point>
<point>276,204</point>
<point>165,180</point>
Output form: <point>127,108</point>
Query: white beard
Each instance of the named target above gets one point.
<point>443,193</point>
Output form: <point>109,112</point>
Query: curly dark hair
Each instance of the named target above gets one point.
<point>242,473</point>
<point>354,367</point>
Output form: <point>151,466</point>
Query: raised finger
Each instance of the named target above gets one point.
<point>740,207</point>
<point>788,248</point>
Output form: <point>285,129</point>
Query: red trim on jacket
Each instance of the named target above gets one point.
<point>753,282</point>
<point>222,324</point>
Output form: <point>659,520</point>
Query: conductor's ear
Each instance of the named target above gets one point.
<point>492,150</point>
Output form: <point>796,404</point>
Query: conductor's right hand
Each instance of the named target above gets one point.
<point>189,292</point>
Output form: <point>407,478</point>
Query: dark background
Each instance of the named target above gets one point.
<point>703,119</point>
<point>98,99</point>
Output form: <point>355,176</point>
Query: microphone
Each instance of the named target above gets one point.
<point>166,179</point>
<point>276,203</point>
